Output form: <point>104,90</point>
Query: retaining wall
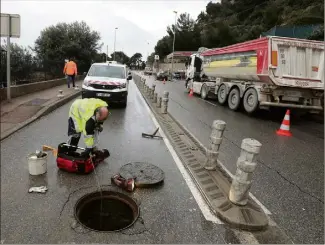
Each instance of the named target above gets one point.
<point>19,90</point>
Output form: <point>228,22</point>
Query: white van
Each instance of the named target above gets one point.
<point>107,81</point>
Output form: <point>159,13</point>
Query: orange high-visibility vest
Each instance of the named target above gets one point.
<point>70,68</point>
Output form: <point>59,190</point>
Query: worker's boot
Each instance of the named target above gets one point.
<point>101,155</point>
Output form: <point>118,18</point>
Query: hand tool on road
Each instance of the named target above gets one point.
<point>152,135</point>
<point>126,184</point>
<point>49,148</point>
<point>40,189</point>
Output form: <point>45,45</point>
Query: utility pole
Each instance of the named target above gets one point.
<point>115,41</point>
<point>173,45</point>
<point>8,63</point>
<point>106,53</point>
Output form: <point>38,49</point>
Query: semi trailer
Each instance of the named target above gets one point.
<point>261,73</point>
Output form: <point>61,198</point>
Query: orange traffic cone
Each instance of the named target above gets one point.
<point>285,126</point>
<point>191,92</point>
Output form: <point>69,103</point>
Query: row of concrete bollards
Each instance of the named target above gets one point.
<point>246,163</point>
<point>161,102</point>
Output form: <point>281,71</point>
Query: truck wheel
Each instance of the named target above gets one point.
<point>234,99</point>
<point>222,94</point>
<point>250,100</point>
<point>204,92</point>
<point>187,88</point>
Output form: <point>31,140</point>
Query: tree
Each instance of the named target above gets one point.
<point>135,59</point>
<point>186,34</point>
<point>23,64</point>
<point>151,58</point>
<point>164,47</point>
<point>317,34</point>
<point>56,43</point>
<point>121,57</point>
<point>232,21</point>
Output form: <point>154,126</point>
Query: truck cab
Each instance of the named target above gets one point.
<point>196,78</point>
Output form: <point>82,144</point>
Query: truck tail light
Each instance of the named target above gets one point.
<point>274,58</point>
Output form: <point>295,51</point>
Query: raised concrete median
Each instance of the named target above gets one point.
<point>227,197</point>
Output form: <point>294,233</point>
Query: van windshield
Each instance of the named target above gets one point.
<point>107,71</point>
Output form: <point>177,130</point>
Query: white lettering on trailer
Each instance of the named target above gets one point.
<point>300,44</point>
<point>302,83</point>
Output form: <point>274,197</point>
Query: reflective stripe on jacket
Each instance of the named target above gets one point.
<point>81,111</point>
<point>70,68</point>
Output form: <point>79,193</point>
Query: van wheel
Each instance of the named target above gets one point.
<point>222,94</point>
<point>124,104</point>
<point>204,92</point>
<point>250,100</point>
<point>234,99</point>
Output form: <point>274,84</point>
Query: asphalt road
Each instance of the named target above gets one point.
<point>289,179</point>
<point>168,214</point>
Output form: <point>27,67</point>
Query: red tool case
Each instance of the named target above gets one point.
<point>68,159</point>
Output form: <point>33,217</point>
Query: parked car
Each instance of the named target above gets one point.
<point>162,75</point>
<point>107,81</point>
<point>176,75</point>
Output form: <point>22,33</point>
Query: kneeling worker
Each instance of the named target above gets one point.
<point>87,116</point>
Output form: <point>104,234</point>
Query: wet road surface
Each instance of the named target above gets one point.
<point>168,214</point>
<point>289,179</point>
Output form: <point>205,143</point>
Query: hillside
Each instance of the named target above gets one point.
<point>233,21</point>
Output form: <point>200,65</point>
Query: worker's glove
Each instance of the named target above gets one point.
<point>87,152</point>
<point>100,128</point>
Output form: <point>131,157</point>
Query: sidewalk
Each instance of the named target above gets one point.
<point>23,110</point>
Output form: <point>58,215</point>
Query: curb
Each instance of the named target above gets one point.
<point>44,111</point>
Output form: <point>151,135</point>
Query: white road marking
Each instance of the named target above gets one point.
<point>208,102</point>
<point>195,192</point>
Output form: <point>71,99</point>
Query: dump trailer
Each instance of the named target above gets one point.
<point>261,73</point>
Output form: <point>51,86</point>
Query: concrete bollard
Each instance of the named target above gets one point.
<point>158,102</point>
<point>212,152</point>
<point>164,105</point>
<point>155,98</point>
<point>246,164</point>
<point>153,91</point>
<point>60,95</point>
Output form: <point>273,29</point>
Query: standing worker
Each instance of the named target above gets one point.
<point>70,69</point>
<point>87,116</point>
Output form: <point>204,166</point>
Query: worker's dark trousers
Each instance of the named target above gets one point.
<point>71,78</point>
<point>72,133</point>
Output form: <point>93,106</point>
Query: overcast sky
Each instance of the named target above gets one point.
<point>138,22</point>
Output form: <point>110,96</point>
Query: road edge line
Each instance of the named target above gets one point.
<point>43,112</point>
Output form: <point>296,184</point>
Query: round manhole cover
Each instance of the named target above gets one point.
<point>106,211</point>
<point>145,174</point>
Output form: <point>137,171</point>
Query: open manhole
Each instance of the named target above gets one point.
<point>106,211</point>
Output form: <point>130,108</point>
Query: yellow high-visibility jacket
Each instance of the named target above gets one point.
<point>82,112</point>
